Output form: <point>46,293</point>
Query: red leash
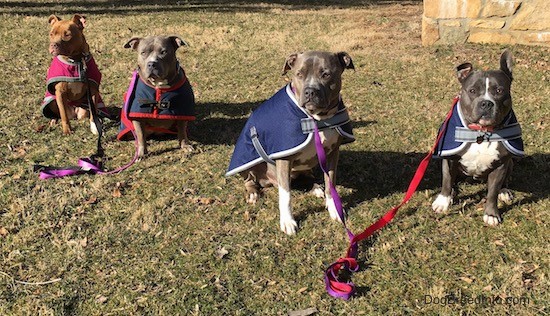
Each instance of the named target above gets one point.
<point>345,290</point>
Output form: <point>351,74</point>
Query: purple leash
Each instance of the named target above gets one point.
<point>350,265</point>
<point>92,165</point>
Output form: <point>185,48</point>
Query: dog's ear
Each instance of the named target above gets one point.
<point>80,21</point>
<point>133,43</point>
<point>53,19</point>
<point>345,60</point>
<point>178,42</point>
<point>289,62</point>
<point>506,63</point>
<point>463,71</point>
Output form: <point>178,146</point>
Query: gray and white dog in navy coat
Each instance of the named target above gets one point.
<point>482,137</point>
<point>277,142</point>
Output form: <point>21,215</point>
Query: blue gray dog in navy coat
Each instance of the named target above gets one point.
<point>277,142</point>
<point>482,137</point>
<point>161,100</point>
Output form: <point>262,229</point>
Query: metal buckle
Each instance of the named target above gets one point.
<point>164,105</point>
<point>482,136</point>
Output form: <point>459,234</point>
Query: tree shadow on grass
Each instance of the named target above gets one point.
<point>123,7</point>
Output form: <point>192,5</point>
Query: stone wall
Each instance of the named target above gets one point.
<point>486,21</point>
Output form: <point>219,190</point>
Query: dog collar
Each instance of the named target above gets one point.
<point>459,134</point>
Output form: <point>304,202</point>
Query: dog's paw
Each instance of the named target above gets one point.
<point>492,220</point>
<point>93,128</point>
<point>188,148</point>
<point>331,207</point>
<point>289,226</point>
<point>252,198</point>
<point>442,203</point>
<point>318,190</point>
<point>506,196</point>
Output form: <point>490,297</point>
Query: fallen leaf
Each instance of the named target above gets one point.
<point>302,290</point>
<point>101,299</point>
<point>40,128</point>
<point>303,312</point>
<point>488,288</point>
<point>221,252</point>
<point>499,243</point>
<point>467,279</point>
<point>83,242</point>
<point>116,192</point>
<point>3,231</point>
<point>91,200</point>
<point>205,201</point>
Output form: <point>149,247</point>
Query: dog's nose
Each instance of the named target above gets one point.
<point>309,93</point>
<point>486,105</point>
<point>152,65</point>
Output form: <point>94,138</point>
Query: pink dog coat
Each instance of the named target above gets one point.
<point>62,70</point>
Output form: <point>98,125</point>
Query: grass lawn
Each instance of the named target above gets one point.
<point>173,236</point>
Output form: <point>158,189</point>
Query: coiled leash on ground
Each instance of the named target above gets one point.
<point>341,289</point>
<point>94,163</point>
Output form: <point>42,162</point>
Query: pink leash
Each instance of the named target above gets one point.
<point>93,165</point>
<point>345,290</point>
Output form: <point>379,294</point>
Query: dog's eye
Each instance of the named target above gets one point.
<point>299,74</point>
<point>472,91</point>
<point>499,90</point>
<point>325,75</point>
<point>163,52</point>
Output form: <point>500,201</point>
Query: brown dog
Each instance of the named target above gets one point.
<point>72,75</point>
<point>277,142</point>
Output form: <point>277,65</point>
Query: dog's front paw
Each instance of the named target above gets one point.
<point>318,190</point>
<point>93,128</point>
<point>332,210</point>
<point>186,147</point>
<point>289,226</point>
<point>506,196</point>
<point>492,220</point>
<point>67,129</point>
<point>252,197</point>
<point>442,203</point>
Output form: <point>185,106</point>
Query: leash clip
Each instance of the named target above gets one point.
<point>483,136</point>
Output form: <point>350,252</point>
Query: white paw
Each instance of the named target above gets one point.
<point>252,198</point>
<point>331,207</point>
<point>187,147</point>
<point>93,128</point>
<point>289,226</point>
<point>442,203</point>
<point>492,220</point>
<point>318,191</point>
<point>506,196</point>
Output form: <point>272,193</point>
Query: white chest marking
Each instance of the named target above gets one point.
<point>329,137</point>
<point>479,157</point>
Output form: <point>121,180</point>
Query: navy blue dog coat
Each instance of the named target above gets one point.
<point>457,136</point>
<point>282,128</point>
<point>147,102</point>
